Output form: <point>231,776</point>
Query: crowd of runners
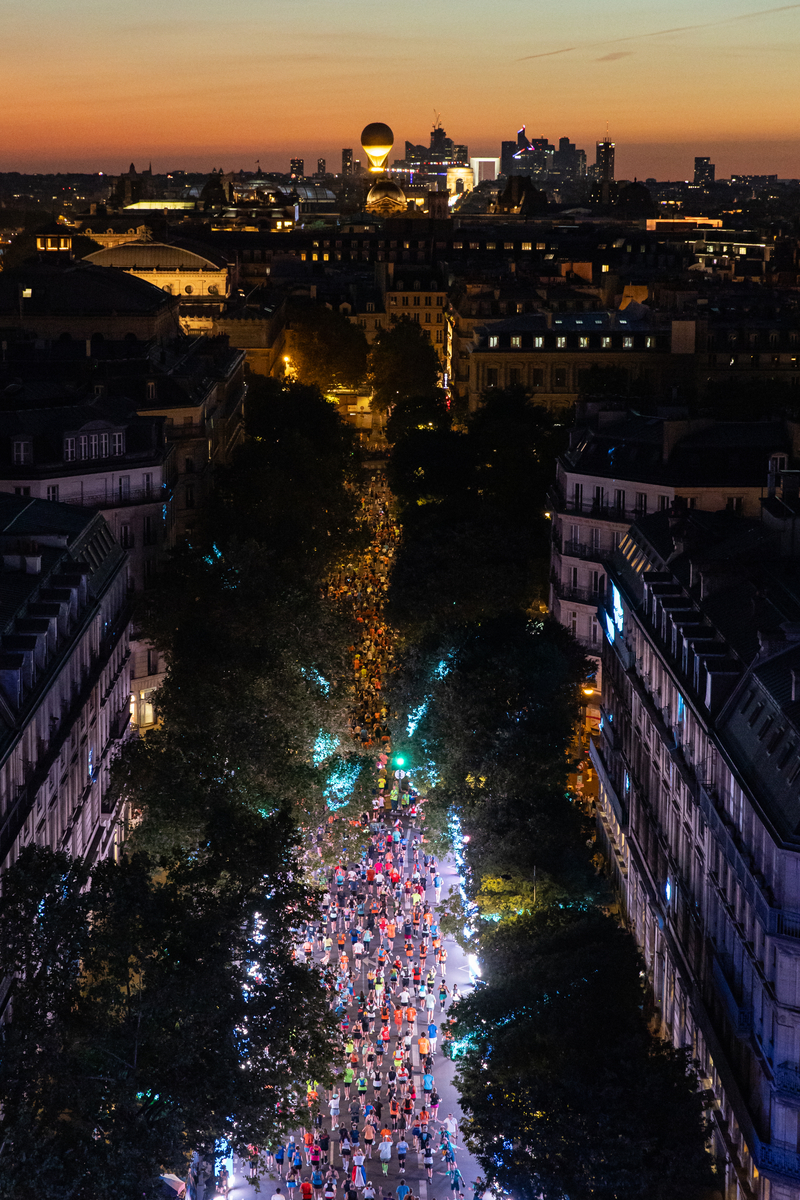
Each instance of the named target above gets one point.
<point>378,1133</point>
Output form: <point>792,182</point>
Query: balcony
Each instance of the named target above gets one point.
<point>111,497</point>
<point>787,1083</point>
<point>580,595</point>
<point>777,1158</point>
<point>582,551</point>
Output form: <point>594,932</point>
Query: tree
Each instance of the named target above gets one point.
<point>403,363</point>
<point>154,1013</point>
<point>417,413</point>
<point>565,1091</point>
<point>327,350</point>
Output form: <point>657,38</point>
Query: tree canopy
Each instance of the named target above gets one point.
<point>403,363</point>
<point>157,1009</point>
<point>327,349</point>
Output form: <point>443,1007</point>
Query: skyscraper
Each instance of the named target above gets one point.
<point>320,166</point>
<point>704,171</point>
<point>604,163</point>
<point>347,162</point>
<point>297,168</point>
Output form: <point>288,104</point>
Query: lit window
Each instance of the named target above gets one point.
<point>627,343</point>
<point>561,343</point>
<point>538,343</point>
<point>606,343</point>
<point>516,341</point>
<point>494,342</point>
<point>508,245</point>
<point>584,343</point>
<point>604,268</point>
<point>527,246</point>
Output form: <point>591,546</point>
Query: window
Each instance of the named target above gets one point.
<point>604,268</point>
<point>513,376</point>
<point>508,245</point>
<point>627,343</point>
<point>538,343</point>
<point>577,496</point>
<point>83,442</point>
<point>599,496</point>
<point>427,318</point>
<point>189,289</point>
<point>663,503</point>
<point>146,714</point>
<point>491,377</point>
<point>416,301</point>
<point>584,343</point>
<point>152,662</point>
<point>94,445</point>
<point>527,245</point>
<point>573,623</point>
<point>439,319</point>
<point>69,449</point>
<point>52,491</point>
<point>605,343</point>
<point>104,445</point>
<point>22,491</point>
<point>537,377</point>
<point>125,538</point>
<point>151,390</point>
<point>439,335</point>
<point>124,487</point>
<point>734,504</point>
<point>560,377</point>
<point>189,495</point>
<point>117,444</point>
<point>561,343</point>
<point>641,503</point>
<point>516,342</point>
<point>619,500</point>
<point>494,342</point>
<point>188,466</point>
<point>23,452</point>
<point>148,531</point>
<point>427,301</point>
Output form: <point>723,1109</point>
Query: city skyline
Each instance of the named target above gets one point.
<point>88,89</point>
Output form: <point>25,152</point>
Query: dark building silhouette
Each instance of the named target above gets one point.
<point>347,162</point>
<point>704,171</point>
<point>604,163</point>
<point>297,168</point>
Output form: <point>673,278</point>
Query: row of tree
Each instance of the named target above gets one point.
<point>330,351</point>
<point>566,1091</point>
<point>157,1009</point>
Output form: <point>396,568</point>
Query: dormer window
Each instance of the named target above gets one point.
<point>117,444</point>
<point>22,451</point>
<point>151,390</point>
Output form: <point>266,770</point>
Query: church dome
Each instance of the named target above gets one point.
<point>385,196</point>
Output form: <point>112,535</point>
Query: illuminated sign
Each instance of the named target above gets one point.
<point>616,604</point>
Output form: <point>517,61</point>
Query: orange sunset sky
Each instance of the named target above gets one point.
<point>92,84</point>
